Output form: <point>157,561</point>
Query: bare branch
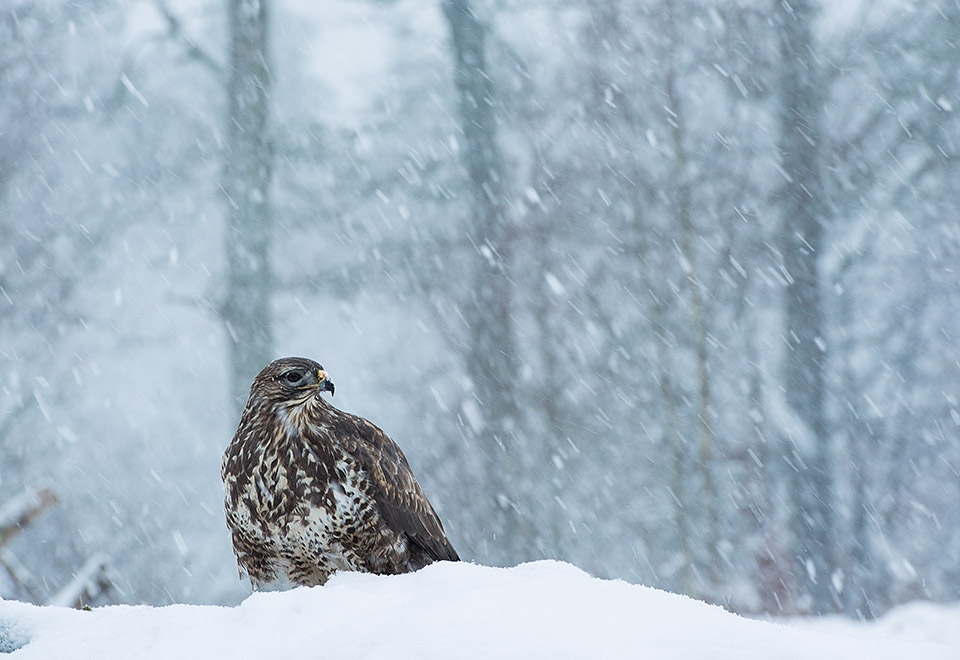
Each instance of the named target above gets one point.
<point>19,511</point>
<point>176,32</point>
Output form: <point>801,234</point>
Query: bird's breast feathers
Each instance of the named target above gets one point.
<point>331,523</point>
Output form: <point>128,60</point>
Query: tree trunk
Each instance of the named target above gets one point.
<point>246,189</point>
<point>803,220</point>
<point>683,210</point>
<point>491,355</point>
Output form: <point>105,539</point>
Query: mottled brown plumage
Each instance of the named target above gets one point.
<point>311,489</point>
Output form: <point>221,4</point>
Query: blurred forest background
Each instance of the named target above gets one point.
<point>664,288</point>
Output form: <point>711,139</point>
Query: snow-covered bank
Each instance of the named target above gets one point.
<point>539,610</point>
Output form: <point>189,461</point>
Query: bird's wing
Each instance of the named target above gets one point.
<point>399,497</point>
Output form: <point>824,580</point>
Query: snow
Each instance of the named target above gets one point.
<point>783,416</point>
<point>537,610</point>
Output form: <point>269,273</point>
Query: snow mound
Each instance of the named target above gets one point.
<point>457,610</point>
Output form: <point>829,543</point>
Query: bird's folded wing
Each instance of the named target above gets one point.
<point>398,495</point>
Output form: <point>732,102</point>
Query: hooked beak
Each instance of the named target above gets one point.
<point>324,383</point>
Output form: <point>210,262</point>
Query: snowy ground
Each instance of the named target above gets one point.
<point>539,610</point>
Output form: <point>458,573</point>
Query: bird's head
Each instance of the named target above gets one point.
<point>292,379</point>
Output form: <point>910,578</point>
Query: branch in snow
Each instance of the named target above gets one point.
<point>21,509</point>
<point>18,573</point>
<point>176,31</point>
<point>87,583</point>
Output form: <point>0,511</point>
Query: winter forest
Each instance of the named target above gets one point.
<point>666,289</point>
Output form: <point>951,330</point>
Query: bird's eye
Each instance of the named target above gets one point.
<point>293,377</point>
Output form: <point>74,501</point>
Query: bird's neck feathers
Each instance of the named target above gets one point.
<point>289,419</point>
<point>302,415</point>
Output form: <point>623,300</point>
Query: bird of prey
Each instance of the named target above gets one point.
<point>310,489</point>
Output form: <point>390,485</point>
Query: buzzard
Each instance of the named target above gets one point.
<point>310,489</point>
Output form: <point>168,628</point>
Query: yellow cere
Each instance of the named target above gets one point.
<point>321,376</point>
